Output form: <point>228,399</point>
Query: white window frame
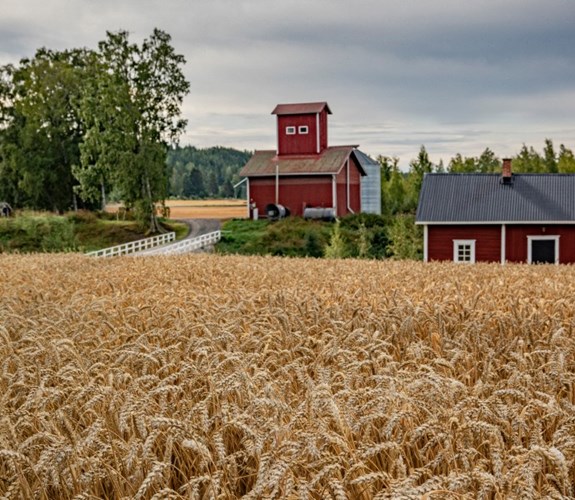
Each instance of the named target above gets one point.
<point>530,240</point>
<point>457,244</point>
<point>290,130</point>
<point>303,129</point>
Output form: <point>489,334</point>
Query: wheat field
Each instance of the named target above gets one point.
<point>221,209</point>
<point>202,376</point>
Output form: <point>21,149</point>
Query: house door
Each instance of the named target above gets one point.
<point>543,250</point>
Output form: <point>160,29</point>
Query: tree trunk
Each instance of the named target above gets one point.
<point>103,196</point>
<point>154,224</point>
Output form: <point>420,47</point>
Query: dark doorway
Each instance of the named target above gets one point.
<point>543,251</point>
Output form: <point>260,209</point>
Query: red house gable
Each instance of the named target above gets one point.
<point>301,128</point>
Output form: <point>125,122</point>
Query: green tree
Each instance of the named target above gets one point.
<point>219,167</point>
<point>488,163</point>
<point>528,161</point>
<point>461,165</point>
<point>386,164</point>
<point>566,161</point>
<point>550,160</point>
<point>40,130</point>
<point>337,248</point>
<point>406,238</point>
<point>417,169</point>
<point>133,114</point>
<point>396,193</point>
<point>194,184</point>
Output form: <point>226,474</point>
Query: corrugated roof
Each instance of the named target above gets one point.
<point>484,198</point>
<point>330,161</point>
<point>300,108</point>
<point>365,160</point>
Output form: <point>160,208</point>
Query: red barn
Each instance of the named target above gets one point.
<point>304,172</point>
<point>498,218</point>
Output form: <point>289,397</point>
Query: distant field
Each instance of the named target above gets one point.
<point>202,209</point>
<point>201,376</point>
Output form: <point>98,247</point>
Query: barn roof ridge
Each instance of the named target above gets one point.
<point>297,108</point>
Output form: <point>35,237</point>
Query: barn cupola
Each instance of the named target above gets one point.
<point>301,128</point>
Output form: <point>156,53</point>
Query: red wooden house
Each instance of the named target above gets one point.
<point>498,218</point>
<point>304,172</point>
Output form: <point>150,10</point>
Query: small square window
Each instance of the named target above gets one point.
<point>290,130</point>
<point>303,129</point>
<point>464,251</point>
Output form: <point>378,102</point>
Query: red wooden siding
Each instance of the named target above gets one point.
<point>323,130</point>
<point>516,241</point>
<point>354,189</point>
<point>295,193</point>
<point>297,144</point>
<point>487,241</point>
<point>298,192</point>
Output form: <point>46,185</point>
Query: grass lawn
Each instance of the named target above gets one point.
<point>74,232</point>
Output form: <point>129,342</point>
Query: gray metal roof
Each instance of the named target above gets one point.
<point>483,198</point>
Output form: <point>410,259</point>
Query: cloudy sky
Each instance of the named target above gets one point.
<point>456,76</point>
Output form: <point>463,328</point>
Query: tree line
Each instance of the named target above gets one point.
<point>78,124</point>
<point>400,190</point>
<point>205,173</point>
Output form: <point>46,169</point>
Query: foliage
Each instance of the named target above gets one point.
<point>132,114</point>
<point>33,233</point>
<point>242,236</point>
<point>40,129</point>
<point>337,247</point>
<point>81,122</point>
<point>204,173</point>
<point>358,235</point>
<point>365,235</point>
<point>405,238</point>
<point>75,231</point>
<point>291,237</point>
<point>566,161</point>
<point>487,162</point>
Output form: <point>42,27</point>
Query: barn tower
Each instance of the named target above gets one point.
<point>301,128</point>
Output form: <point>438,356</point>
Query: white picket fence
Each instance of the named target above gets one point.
<point>185,246</point>
<point>134,246</point>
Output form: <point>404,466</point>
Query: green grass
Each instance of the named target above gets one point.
<point>80,231</point>
<point>293,237</point>
<point>362,236</point>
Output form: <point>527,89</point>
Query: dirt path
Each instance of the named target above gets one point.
<point>200,226</point>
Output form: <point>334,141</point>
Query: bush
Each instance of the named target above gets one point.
<point>33,233</point>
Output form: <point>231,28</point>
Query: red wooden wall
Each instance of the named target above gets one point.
<point>354,189</point>
<point>487,244</point>
<point>488,241</point>
<point>516,241</point>
<point>301,144</point>
<point>295,193</point>
<point>298,192</point>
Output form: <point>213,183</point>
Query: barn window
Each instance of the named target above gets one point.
<point>464,251</point>
<point>290,130</point>
<point>303,129</point>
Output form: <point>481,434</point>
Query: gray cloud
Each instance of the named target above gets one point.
<point>455,76</point>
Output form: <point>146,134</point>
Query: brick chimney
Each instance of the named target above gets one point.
<point>506,170</point>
